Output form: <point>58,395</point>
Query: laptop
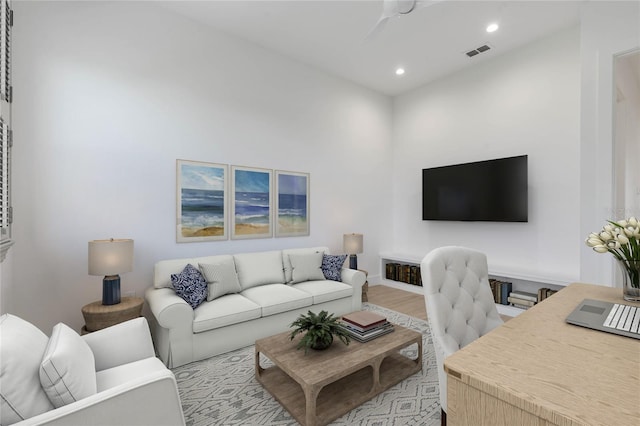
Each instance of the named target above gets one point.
<point>616,318</point>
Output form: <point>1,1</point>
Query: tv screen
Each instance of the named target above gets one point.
<point>492,190</point>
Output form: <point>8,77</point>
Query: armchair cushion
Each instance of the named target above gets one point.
<point>120,344</point>
<point>21,349</point>
<point>67,371</point>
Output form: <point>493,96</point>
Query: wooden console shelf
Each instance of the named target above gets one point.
<point>531,282</point>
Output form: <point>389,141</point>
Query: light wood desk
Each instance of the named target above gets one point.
<point>538,370</point>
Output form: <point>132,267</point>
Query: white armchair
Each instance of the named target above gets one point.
<point>459,303</point>
<point>109,377</point>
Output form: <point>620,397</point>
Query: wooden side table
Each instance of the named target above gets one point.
<point>365,286</point>
<point>98,316</point>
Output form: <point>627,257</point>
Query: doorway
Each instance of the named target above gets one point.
<point>626,135</point>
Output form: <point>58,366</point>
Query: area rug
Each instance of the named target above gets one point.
<point>223,390</point>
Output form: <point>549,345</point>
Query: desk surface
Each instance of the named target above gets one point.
<point>559,372</point>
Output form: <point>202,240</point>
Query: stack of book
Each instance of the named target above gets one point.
<point>544,292</point>
<point>364,326</point>
<point>409,274</point>
<point>522,299</point>
<point>500,291</point>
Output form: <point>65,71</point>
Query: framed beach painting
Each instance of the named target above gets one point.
<point>251,212</point>
<point>202,201</point>
<point>292,203</point>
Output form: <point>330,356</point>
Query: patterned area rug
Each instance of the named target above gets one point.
<point>223,390</point>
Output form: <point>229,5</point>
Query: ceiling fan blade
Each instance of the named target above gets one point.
<point>378,27</point>
<point>426,3</point>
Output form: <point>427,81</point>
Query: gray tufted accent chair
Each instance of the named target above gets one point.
<point>459,302</point>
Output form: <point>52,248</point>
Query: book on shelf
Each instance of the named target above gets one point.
<point>516,305</point>
<point>388,268</point>
<point>406,273</point>
<point>505,290</point>
<point>522,302</point>
<point>364,319</point>
<point>524,295</point>
<point>501,291</point>
<point>544,292</point>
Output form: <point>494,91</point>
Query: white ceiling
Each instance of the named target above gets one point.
<point>429,42</point>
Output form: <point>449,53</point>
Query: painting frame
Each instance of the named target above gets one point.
<point>251,203</point>
<point>200,187</point>
<point>292,203</point>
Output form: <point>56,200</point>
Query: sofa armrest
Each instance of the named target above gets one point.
<point>121,343</point>
<point>353,277</point>
<point>169,309</point>
<point>149,400</point>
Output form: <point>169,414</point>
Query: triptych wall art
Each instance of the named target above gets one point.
<point>215,201</point>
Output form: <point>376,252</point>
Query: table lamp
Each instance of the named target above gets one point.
<point>352,244</point>
<point>110,258</point>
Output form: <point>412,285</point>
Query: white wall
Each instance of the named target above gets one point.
<point>109,95</point>
<point>524,102</point>
<point>607,29</point>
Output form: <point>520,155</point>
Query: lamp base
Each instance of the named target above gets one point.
<point>353,261</point>
<point>111,290</point>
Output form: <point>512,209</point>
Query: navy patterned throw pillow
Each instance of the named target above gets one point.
<point>190,285</point>
<point>331,266</point>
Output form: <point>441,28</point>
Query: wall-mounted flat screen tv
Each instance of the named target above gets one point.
<point>492,190</point>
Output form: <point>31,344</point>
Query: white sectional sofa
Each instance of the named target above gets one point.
<point>273,288</point>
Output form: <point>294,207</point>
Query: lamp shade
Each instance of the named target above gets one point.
<point>352,243</point>
<point>110,257</point>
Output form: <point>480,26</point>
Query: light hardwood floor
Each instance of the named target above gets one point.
<point>406,302</point>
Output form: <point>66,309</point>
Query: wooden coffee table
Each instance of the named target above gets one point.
<point>321,386</point>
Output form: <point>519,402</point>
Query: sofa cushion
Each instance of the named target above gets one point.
<point>277,298</point>
<point>68,368</point>
<point>259,268</point>
<point>21,349</point>
<point>286,262</point>
<point>332,266</point>
<point>325,290</point>
<point>306,267</point>
<point>221,277</point>
<point>115,376</point>
<point>190,285</point>
<point>226,310</point>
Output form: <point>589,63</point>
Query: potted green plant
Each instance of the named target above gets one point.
<point>319,330</point>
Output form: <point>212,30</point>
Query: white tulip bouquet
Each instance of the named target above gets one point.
<point>622,240</point>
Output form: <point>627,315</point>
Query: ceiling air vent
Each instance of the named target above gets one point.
<point>478,50</point>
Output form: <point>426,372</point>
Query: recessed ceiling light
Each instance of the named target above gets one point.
<point>492,27</point>
<point>399,71</point>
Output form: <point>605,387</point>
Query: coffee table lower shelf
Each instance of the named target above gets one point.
<point>321,404</point>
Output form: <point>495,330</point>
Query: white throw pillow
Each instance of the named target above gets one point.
<point>287,262</point>
<point>21,348</point>
<point>306,267</point>
<point>259,268</point>
<point>68,369</point>
<point>221,278</point>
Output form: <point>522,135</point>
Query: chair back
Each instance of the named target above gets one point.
<point>459,302</point>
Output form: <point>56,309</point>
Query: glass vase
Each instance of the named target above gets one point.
<point>630,271</point>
